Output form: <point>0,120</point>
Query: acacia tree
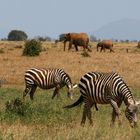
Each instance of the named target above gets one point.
<point>17,35</point>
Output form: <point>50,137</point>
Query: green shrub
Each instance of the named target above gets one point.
<point>16,106</point>
<point>32,48</point>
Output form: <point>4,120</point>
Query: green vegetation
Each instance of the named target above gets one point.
<point>17,35</point>
<point>42,110</point>
<point>32,48</point>
<point>45,118</point>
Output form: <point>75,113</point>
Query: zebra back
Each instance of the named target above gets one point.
<point>100,87</point>
<point>47,78</point>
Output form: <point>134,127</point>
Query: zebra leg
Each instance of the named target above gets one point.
<point>116,111</point>
<point>114,114</point>
<point>84,115</point>
<point>56,91</point>
<point>89,115</point>
<point>96,107</point>
<point>119,104</point>
<point>26,91</point>
<point>32,92</point>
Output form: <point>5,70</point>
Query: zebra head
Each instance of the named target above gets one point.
<point>70,90</point>
<point>131,113</point>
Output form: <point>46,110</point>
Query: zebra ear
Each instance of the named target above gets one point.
<point>137,102</point>
<point>75,86</point>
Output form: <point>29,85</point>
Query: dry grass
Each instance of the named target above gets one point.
<point>19,131</point>
<point>13,66</point>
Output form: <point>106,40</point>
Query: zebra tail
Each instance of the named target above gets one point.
<point>80,100</point>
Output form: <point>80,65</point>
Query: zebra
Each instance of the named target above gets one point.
<point>106,88</point>
<point>47,79</point>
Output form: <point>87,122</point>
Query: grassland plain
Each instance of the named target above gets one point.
<point>45,118</point>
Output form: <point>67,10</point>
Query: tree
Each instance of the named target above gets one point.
<point>17,35</point>
<point>40,38</point>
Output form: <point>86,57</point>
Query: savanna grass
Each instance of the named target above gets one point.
<point>45,118</point>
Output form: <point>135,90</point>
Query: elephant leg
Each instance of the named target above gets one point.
<point>64,45</point>
<point>70,45</point>
<point>88,49</point>
<point>97,49</point>
<point>76,47</point>
<point>111,50</point>
<point>104,48</point>
<point>84,48</point>
<point>101,49</point>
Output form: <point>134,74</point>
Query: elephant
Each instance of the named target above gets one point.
<point>76,39</point>
<point>105,44</point>
<point>138,44</point>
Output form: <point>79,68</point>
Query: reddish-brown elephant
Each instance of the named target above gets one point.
<point>105,44</point>
<point>76,39</point>
<point>139,44</point>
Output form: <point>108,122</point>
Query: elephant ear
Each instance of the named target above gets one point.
<point>68,35</point>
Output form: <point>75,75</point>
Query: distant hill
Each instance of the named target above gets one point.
<point>122,30</point>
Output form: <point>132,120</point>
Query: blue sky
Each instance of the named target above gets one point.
<point>53,17</point>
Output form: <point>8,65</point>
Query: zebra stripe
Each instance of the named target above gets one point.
<point>46,79</point>
<point>106,88</point>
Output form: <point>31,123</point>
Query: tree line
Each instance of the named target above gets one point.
<point>19,35</point>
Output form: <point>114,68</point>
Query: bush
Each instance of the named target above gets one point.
<point>17,35</point>
<point>16,106</point>
<point>32,48</point>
